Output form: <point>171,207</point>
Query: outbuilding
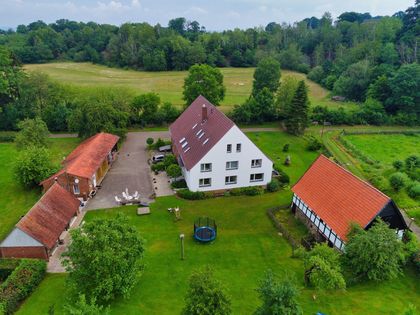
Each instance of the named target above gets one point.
<point>37,234</point>
<point>86,166</point>
<point>328,199</point>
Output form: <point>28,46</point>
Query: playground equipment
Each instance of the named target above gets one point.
<point>205,229</point>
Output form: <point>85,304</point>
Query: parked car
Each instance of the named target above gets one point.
<point>165,148</point>
<point>158,158</point>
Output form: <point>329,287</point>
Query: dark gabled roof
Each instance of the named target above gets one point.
<point>50,215</point>
<point>88,156</point>
<point>194,138</point>
<point>338,197</point>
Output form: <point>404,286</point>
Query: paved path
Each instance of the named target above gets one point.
<point>130,170</point>
<point>414,225</point>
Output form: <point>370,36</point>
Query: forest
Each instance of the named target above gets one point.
<point>372,60</point>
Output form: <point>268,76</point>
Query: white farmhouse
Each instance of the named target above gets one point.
<point>214,153</point>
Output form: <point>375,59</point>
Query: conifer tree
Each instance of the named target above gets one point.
<point>297,115</point>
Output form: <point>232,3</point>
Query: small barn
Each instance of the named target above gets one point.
<point>86,166</point>
<point>37,234</point>
<point>328,199</point>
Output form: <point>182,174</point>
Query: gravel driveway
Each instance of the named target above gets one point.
<point>130,170</point>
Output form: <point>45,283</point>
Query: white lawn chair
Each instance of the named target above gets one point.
<point>117,199</point>
<point>124,195</point>
<point>136,195</point>
<point>126,191</point>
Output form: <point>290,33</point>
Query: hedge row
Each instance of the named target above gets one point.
<point>198,195</point>
<point>349,146</point>
<point>20,284</point>
<point>381,132</point>
<point>7,136</point>
<point>6,268</point>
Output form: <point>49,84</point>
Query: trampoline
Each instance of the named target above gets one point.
<point>205,230</point>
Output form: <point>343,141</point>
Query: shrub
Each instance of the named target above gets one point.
<point>191,195</point>
<point>286,147</point>
<point>7,136</point>
<point>248,191</point>
<point>169,160</point>
<point>398,180</point>
<point>412,162</point>
<point>398,165</point>
<point>273,186</point>
<point>174,171</point>
<point>283,178</point>
<point>158,167</point>
<point>179,184</point>
<point>314,144</point>
<point>150,141</point>
<point>414,190</point>
<point>20,284</point>
<point>159,143</point>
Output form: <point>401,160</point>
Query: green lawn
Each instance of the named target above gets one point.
<point>168,84</point>
<point>247,244</point>
<point>271,143</point>
<point>15,201</point>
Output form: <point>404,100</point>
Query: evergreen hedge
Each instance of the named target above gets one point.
<point>20,284</point>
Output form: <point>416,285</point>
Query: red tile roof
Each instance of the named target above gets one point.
<point>88,156</point>
<point>338,197</point>
<point>50,215</point>
<point>187,128</point>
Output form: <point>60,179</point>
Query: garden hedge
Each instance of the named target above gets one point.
<point>20,284</point>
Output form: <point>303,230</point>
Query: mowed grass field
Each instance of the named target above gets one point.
<point>15,200</point>
<point>246,246</point>
<point>168,84</point>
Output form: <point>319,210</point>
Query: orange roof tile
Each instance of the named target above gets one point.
<point>338,197</point>
<point>48,218</point>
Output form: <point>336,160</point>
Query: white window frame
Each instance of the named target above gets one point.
<point>255,164</point>
<point>253,180</point>
<point>229,148</point>
<point>228,180</point>
<point>201,182</point>
<point>76,189</point>
<point>230,167</point>
<point>238,147</point>
<point>203,168</point>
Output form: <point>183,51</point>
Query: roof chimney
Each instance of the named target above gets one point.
<point>204,113</point>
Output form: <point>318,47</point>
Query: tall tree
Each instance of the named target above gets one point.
<point>104,258</point>
<point>375,254</point>
<point>266,75</point>
<point>33,133</point>
<point>297,115</point>
<point>206,81</point>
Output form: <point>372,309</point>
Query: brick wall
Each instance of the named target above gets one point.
<point>24,252</point>
<point>66,181</point>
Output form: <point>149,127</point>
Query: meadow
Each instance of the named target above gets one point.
<point>246,246</point>
<point>168,84</point>
<point>15,200</point>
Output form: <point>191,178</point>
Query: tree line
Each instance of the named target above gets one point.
<point>324,47</point>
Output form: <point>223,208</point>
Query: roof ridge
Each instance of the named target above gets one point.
<point>356,177</point>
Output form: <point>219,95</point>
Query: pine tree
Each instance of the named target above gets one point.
<point>297,115</point>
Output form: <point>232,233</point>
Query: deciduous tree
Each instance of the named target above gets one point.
<point>206,295</point>
<point>104,258</point>
<point>33,133</point>
<point>206,81</point>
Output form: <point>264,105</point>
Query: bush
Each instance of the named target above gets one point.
<point>191,195</point>
<point>286,147</point>
<point>414,190</point>
<point>314,144</point>
<point>150,141</point>
<point>248,191</point>
<point>179,184</point>
<point>174,171</point>
<point>20,284</point>
<point>159,143</point>
<point>273,186</point>
<point>283,178</point>
<point>398,180</point>
<point>7,136</point>
<point>169,160</point>
<point>158,167</point>
<point>398,165</point>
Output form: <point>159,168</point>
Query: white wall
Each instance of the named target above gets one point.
<point>218,157</point>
